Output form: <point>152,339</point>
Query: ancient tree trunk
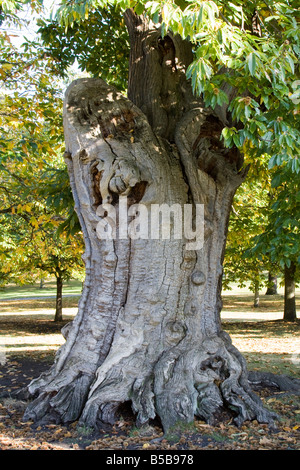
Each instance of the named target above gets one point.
<point>289,293</point>
<point>148,326</point>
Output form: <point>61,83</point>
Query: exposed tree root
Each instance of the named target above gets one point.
<point>282,382</point>
<point>203,381</point>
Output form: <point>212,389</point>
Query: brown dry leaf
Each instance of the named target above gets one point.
<point>265,440</point>
<point>272,400</point>
<point>57,431</point>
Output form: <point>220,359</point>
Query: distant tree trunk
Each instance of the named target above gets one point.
<point>42,283</point>
<point>256,296</point>
<point>58,310</point>
<point>272,284</point>
<point>289,293</point>
<point>148,327</point>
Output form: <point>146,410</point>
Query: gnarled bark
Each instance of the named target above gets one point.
<point>148,326</point>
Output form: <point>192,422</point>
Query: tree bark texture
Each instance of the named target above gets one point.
<point>58,309</point>
<point>256,296</point>
<point>148,326</point>
<point>272,284</point>
<point>289,293</point>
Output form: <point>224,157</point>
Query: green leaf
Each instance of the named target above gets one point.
<point>272,162</point>
<point>139,9</point>
<point>251,61</point>
<point>276,181</point>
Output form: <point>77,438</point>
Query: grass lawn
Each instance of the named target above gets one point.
<point>72,287</point>
<point>266,341</point>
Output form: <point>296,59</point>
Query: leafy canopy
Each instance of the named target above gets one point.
<point>280,240</point>
<point>99,45</point>
<point>248,219</point>
<point>251,47</point>
<point>254,47</point>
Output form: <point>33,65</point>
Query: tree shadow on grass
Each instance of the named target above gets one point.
<point>32,326</point>
<point>244,303</point>
<point>263,329</point>
<point>15,306</point>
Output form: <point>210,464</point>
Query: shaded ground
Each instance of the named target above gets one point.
<point>29,342</point>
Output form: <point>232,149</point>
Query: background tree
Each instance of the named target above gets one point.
<point>248,218</point>
<point>272,283</point>
<point>58,256</point>
<point>37,210</point>
<point>280,238</point>
<point>263,234</point>
<point>41,235</point>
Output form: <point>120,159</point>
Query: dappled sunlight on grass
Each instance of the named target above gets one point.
<point>27,326</point>
<point>239,307</point>
<point>18,339</point>
<point>272,346</point>
<point>73,287</point>
<point>13,306</point>
<point>244,303</point>
<point>39,315</point>
<point>277,363</point>
<point>8,350</point>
